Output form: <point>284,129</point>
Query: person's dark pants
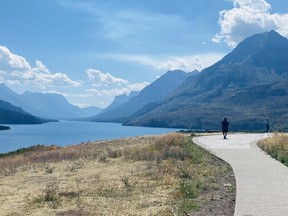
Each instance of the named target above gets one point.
<point>225,133</point>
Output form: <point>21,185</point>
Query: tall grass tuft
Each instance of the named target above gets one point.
<point>277,147</point>
<point>50,196</point>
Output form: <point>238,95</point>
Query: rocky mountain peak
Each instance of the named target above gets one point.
<point>267,43</point>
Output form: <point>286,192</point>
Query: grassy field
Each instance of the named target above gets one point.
<point>149,175</point>
<point>277,147</point>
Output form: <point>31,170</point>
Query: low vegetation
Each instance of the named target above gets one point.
<point>277,147</point>
<point>151,175</point>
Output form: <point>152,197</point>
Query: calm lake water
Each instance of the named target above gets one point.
<point>68,133</point>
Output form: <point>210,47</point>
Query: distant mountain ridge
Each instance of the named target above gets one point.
<point>154,92</point>
<point>248,85</point>
<point>121,99</point>
<point>6,94</point>
<point>10,114</point>
<point>45,106</point>
<point>56,106</point>
<point>259,62</point>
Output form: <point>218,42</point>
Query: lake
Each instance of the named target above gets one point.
<point>68,133</point>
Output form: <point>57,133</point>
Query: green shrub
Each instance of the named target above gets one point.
<point>188,190</point>
<point>50,195</point>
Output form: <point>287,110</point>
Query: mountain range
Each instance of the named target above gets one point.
<point>42,107</point>
<point>56,106</point>
<point>248,85</point>
<point>152,93</point>
<point>119,100</point>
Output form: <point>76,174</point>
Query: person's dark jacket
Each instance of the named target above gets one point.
<point>225,125</point>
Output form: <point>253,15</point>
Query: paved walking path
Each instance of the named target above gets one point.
<point>262,182</point>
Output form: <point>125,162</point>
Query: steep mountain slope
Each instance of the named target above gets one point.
<point>6,94</point>
<point>10,114</point>
<point>119,100</point>
<point>246,86</point>
<point>154,92</point>
<point>259,59</point>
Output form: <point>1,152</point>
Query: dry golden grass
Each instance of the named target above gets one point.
<point>166,175</point>
<point>277,147</point>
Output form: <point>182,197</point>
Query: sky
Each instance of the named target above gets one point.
<point>93,50</point>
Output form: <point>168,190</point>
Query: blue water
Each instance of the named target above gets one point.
<point>68,133</point>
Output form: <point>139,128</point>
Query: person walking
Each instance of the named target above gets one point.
<point>267,125</point>
<point>225,125</point>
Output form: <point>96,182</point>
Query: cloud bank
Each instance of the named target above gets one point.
<point>249,17</point>
<point>186,64</point>
<point>15,70</point>
<point>105,84</point>
<point>104,78</point>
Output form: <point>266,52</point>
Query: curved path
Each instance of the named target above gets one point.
<point>262,182</point>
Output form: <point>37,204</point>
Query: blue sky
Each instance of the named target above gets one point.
<point>92,50</point>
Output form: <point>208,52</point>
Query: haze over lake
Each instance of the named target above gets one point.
<point>68,133</point>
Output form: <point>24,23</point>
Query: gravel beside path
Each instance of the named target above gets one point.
<point>262,182</point>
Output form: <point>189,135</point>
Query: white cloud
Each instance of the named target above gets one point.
<point>165,63</point>
<point>118,91</point>
<point>57,79</point>
<point>108,92</point>
<point>112,92</point>
<point>82,105</point>
<point>179,63</point>
<point>15,70</point>
<point>190,63</point>
<point>11,60</point>
<point>105,84</point>
<point>137,86</point>
<point>105,79</point>
<point>41,67</point>
<point>249,17</point>
<point>136,58</point>
<point>57,92</point>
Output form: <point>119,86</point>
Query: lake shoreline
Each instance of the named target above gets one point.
<point>3,127</point>
<point>69,133</point>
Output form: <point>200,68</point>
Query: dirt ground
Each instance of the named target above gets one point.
<point>97,178</point>
<point>224,200</point>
